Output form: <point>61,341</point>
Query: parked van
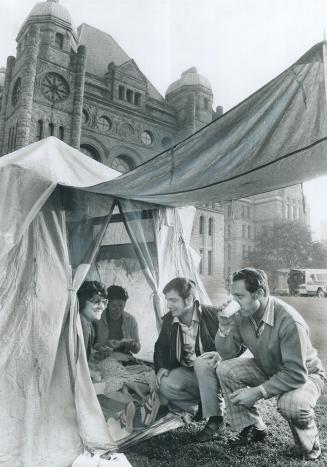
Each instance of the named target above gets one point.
<point>312,282</point>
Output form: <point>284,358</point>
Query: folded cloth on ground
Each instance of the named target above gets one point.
<point>115,375</point>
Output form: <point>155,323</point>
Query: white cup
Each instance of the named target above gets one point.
<point>230,309</point>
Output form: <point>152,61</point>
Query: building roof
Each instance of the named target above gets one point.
<point>50,9</point>
<point>190,77</point>
<point>103,49</point>
<point>53,8</point>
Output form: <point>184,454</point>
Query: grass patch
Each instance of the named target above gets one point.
<point>178,448</point>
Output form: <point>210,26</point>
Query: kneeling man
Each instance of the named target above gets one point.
<point>184,378</point>
<point>284,364</point>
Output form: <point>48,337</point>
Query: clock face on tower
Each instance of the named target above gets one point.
<point>54,87</point>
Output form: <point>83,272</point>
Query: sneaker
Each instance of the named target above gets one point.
<point>249,434</point>
<point>214,426</point>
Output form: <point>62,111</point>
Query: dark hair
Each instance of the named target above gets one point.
<point>184,287</point>
<point>115,292</point>
<point>255,279</point>
<point>88,289</point>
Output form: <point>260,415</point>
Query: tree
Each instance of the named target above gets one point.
<point>286,245</point>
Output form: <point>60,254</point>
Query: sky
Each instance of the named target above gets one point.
<point>239,45</point>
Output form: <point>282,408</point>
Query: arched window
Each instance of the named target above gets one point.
<point>90,151</point>
<point>210,226</point>
<point>61,133</point>
<point>201,225</point>
<point>123,164</point>
<point>59,40</point>
<point>121,93</point>
<point>51,129</point>
<point>137,98</point>
<point>129,96</point>
<point>39,133</point>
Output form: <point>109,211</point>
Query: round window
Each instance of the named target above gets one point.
<point>147,138</point>
<point>104,124</point>
<point>127,131</point>
<point>166,142</point>
<point>85,116</point>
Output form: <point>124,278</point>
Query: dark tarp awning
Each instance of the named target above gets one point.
<point>275,138</point>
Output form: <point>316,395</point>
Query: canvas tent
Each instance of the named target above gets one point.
<point>276,137</point>
<point>51,229</point>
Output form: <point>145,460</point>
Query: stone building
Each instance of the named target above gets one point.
<point>244,219</point>
<point>81,86</point>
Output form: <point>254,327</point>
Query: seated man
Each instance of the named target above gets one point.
<point>284,364</point>
<point>183,377</point>
<point>92,302</point>
<point>117,328</point>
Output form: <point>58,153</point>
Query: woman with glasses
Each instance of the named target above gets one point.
<point>93,301</point>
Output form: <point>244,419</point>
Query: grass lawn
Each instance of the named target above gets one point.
<point>177,448</point>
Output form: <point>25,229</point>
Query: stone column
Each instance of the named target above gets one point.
<point>9,70</point>
<point>75,138</point>
<point>28,76</point>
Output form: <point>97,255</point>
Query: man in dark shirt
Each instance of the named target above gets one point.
<point>284,364</point>
<point>184,378</point>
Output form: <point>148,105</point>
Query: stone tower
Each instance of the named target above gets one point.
<point>192,97</point>
<point>44,85</point>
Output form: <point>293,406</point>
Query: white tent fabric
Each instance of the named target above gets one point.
<point>277,137</point>
<point>51,231</point>
<point>49,412</point>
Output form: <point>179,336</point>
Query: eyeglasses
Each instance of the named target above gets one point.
<point>98,301</point>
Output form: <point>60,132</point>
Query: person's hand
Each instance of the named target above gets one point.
<point>126,340</point>
<point>114,343</point>
<point>246,396</point>
<point>162,373</point>
<point>213,357</point>
<point>226,325</point>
